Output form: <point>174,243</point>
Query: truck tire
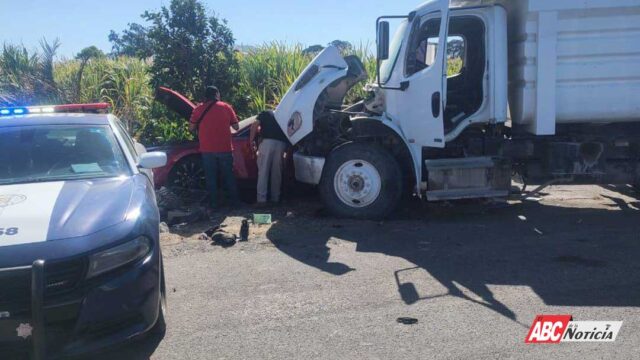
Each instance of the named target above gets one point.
<point>361,181</point>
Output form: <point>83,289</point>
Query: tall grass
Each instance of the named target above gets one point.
<point>268,71</point>
<point>122,82</point>
<point>26,77</point>
<point>266,74</point>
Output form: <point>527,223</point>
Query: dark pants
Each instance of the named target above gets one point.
<point>220,163</point>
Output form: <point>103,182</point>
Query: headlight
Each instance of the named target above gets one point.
<point>294,124</point>
<point>118,256</point>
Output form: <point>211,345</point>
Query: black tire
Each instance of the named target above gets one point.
<point>160,327</point>
<point>188,173</point>
<point>386,166</point>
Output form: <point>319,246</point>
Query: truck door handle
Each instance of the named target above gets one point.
<point>435,104</point>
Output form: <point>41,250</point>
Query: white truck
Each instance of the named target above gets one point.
<point>549,90</point>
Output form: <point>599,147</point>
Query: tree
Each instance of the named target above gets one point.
<point>190,48</point>
<point>344,46</point>
<point>313,49</point>
<point>84,56</point>
<point>133,42</point>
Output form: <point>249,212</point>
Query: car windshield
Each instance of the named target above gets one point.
<point>57,152</point>
<point>386,66</point>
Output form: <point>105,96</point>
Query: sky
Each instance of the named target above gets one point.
<point>81,23</point>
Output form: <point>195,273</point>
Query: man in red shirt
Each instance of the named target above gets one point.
<point>213,121</point>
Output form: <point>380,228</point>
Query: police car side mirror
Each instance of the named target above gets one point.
<point>152,160</point>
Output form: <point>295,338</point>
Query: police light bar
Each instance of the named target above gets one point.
<point>49,109</point>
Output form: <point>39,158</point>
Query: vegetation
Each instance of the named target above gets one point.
<point>180,47</point>
<point>265,74</point>
<point>190,48</point>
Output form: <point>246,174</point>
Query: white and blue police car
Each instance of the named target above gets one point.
<point>80,261</point>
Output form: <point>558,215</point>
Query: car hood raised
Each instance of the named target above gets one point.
<point>175,102</point>
<point>182,106</point>
<point>47,211</point>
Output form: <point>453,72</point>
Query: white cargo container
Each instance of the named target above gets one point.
<point>549,89</point>
<point>573,61</point>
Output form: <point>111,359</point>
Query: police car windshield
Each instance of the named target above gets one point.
<point>59,152</point>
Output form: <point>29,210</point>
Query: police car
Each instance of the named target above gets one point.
<point>80,262</point>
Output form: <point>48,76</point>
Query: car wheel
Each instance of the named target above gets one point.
<point>361,181</point>
<point>160,326</point>
<point>188,173</point>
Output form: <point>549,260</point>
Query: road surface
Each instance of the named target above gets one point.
<point>473,274</point>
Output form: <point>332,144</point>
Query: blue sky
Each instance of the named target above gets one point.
<point>80,23</point>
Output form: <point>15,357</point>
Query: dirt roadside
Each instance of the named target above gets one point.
<point>295,219</point>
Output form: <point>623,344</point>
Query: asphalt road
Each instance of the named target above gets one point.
<point>474,275</point>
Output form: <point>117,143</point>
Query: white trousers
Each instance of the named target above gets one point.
<point>270,163</point>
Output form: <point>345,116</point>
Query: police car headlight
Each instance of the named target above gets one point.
<point>118,256</point>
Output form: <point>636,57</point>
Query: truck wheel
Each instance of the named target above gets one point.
<point>361,181</point>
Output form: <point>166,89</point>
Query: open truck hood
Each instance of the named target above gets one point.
<point>324,82</point>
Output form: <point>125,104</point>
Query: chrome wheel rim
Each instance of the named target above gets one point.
<point>357,183</point>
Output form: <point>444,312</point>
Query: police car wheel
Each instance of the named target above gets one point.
<point>160,326</point>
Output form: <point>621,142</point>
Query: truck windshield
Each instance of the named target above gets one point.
<point>386,66</point>
<point>59,152</point>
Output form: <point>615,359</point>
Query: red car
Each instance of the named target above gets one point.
<point>184,166</point>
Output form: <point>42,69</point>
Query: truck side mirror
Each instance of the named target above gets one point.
<point>383,40</point>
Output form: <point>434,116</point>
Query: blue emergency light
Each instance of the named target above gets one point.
<point>13,111</point>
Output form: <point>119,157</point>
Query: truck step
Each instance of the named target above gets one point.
<point>467,178</point>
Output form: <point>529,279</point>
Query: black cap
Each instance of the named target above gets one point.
<point>212,93</point>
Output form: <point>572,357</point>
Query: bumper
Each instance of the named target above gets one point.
<point>97,313</point>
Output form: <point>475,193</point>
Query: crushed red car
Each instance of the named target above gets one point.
<point>184,165</point>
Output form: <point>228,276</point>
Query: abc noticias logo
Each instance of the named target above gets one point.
<point>554,329</point>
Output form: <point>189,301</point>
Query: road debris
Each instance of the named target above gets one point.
<point>262,219</point>
<point>224,239</point>
<point>244,230</point>
<point>185,215</point>
<point>406,321</point>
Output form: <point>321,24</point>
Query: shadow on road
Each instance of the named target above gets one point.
<point>567,256</point>
<point>137,349</point>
